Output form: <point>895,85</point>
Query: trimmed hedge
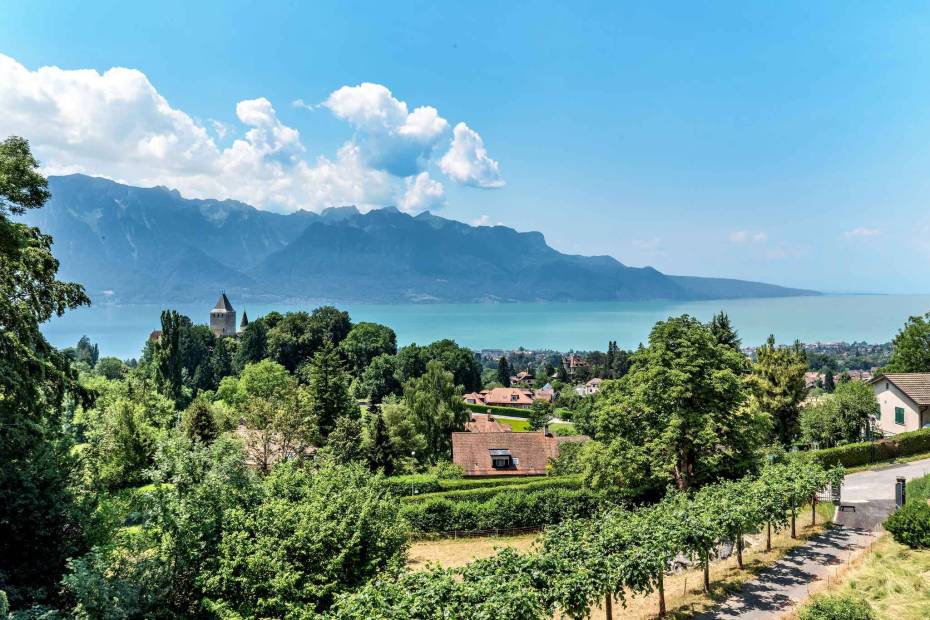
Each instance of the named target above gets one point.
<point>505,510</point>
<point>486,492</point>
<point>419,484</point>
<point>513,412</point>
<point>855,454</point>
<point>413,484</point>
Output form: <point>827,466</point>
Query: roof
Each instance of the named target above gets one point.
<point>245,319</point>
<point>531,452</point>
<point>483,423</point>
<point>916,385</point>
<point>223,303</point>
<point>595,381</point>
<point>505,396</point>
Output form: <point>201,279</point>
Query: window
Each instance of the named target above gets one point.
<point>501,458</point>
<point>899,415</point>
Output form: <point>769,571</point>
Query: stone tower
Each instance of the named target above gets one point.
<point>223,318</point>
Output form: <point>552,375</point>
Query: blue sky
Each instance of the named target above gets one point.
<point>784,143</point>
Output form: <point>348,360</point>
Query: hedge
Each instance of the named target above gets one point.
<point>855,454</point>
<point>418,484</point>
<point>513,412</point>
<point>505,510</point>
<point>486,492</point>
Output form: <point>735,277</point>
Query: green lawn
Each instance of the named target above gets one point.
<point>523,426</point>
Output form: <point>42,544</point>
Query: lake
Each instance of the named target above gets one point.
<point>121,330</point>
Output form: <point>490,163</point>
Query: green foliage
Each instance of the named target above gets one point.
<point>777,387</point>
<point>836,607</point>
<point>198,423</point>
<point>679,410</point>
<point>856,454</point>
<point>569,461</point>
<point>910,525</point>
<point>344,443</point>
<point>840,418</point>
<point>436,409</point>
<point>328,387</point>
<point>110,367</point>
<point>503,510</point>
<point>365,342</point>
<point>911,347</point>
<point>294,339</point>
<point>461,362</point>
<point>503,372</point>
<point>540,415</point>
<point>314,534</point>
<point>486,492</point>
<point>167,356</point>
<point>379,379</point>
<point>512,412</point>
<point>253,344</point>
<point>724,332</point>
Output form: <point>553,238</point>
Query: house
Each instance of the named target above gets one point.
<point>544,395</point>
<point>507,454</point>
<point>520,398</point>
<point>812,378</point>
<point>904,399</point>
<point>474,398</point>
<point>573,362</point>
<point>485,423</point>
<point>522,379</point>
<point>593,386</point>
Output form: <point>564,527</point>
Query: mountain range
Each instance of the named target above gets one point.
<point>135,245</point>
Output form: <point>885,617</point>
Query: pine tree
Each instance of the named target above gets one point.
<point>503,372</point>
<point>329,389</point>
<point>198,422</point>
<point>723,331</point>
<point>829,385</point>
<point>167,356</point>
<point>377,444</point>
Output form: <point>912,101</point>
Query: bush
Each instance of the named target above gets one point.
<point>513,412</point>
<point>910,525</point>
<point>855,454</point>
<point>419,484</point>
<point>412,484</point>
<point>504,510</point>
<point>486,492</point>
<point>837,607</point>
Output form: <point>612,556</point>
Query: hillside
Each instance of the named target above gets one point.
<point>133,244</point>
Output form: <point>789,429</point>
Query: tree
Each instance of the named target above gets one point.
<point>461,362</point>
<point>770,493</point>
<point>328,386</point>
<point>198,422</point>
<point>540,415</point>
<point>110,367</point>
<point>365,342</point>
<point>437,409</point>
<point>87,352</point>
<point>680,408</point>
<point>379,379</point>
<point>376,444</point>
<point>410,363</point>
<point>167,356</point>
<point>829,385</point>
<point>724,332</point>
<point>841,418</point>
<point>253,344</point>
<point>777,387</point>
<point>344,443</point>
<point>406,445</point>
<point>39,525</point>
<point>911,347</point>
<point>503,372</point>
<point>221,364</point>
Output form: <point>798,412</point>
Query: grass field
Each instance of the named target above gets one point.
<point>683,593</point>
<point>522,426</point>
<point>894,579</point>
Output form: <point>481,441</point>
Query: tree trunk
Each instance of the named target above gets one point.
<point>609,606</point>
<point>739,551</point>
<point>707,572</point>
<point>814,510</point>
<point>662,594</point>
<point>794,531</point>
<point>768,536</point>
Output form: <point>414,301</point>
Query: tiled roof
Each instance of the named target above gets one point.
<point>531,452</point>
<point>223,303</point>
<point>483,423</point>
<point>502,396</point>
<point>915,384</point>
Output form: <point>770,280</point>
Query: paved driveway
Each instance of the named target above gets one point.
<point>868,499</point>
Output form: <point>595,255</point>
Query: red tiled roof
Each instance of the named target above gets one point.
<point>504,397</point>
<point>530,451</point>
<point>483,423</point>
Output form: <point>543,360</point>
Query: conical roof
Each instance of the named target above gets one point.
<point>223,303</point>
<point>245,320</point>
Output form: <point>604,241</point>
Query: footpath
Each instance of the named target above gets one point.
<point>867,500</point>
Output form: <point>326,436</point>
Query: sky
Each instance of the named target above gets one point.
<point>783,142</point>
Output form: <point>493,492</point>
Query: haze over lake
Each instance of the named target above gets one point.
<point>121,330</point>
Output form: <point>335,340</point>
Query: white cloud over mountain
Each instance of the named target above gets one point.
<point>116,124</point>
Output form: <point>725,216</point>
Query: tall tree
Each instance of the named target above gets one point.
<point>253,344</point>
<point>540,415</point>
<point>379,379</point>
<point>38,524</point>
<point>437,409</point>
<point>777,387</point>
<point>365,342</point>
<point>503,371</point>
<point>829,385</point>
<point>911,352</point>
<point>167,356</point>
<point>198,421</point>
<point>329,389</point>
<point>460,361</point>
<point>723,331</point>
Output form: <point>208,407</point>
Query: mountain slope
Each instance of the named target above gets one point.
<point>151,245</point>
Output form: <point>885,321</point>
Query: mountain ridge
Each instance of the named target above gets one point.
<point>136,245</point>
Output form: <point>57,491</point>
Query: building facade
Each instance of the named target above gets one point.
<point>223,318</point>
<point>904,399</point>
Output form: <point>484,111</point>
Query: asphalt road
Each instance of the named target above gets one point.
<point>866,501</point>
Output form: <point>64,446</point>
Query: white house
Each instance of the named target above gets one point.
<point>905,401</point>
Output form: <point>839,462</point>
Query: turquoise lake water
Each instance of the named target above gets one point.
<point>121,330</point>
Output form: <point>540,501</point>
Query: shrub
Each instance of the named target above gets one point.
<point>413,484</point>
<point>504,510</point>
<point>855,454</point>
<point>910,525</point>
<point>513,412</point>
<point>837,607</point>
<point>486,492</point>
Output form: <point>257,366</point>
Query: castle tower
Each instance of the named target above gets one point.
<point>244,322</point>
<point>223,318</point>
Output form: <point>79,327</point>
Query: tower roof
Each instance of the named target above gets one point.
<point>245,320</point>
<point>223,303</point>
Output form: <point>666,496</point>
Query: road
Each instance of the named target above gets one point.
<point>867,500</point>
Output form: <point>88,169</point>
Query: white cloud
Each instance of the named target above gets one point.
<point>422,193</point>
<point>862,233</point>
<point>485,220</point>
<point>117,125</point>
<point>747,236</point>
<point>391,138</point>
<point>467,161</point>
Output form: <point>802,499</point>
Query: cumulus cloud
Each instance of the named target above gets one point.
<point>116,124</point>
<point>422,193</point>
<point>747,236</point>
<point>485,220</point>
<point>862,233</point>
<point>467,160</point>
